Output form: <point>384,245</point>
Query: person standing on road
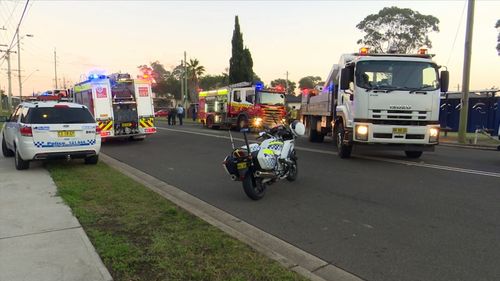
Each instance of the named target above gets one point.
<point>172,112</point>
<point>180,113</point>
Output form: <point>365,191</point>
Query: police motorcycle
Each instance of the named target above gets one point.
<point>259,165</point>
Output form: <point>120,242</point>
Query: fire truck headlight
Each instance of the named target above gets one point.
<point>257,122</point>
<point>362,132</point>
<point>433,134</point>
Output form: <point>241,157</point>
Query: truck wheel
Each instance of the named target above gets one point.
<point>20,163</point>
<point>254,188</point>
<point>413,154</point>
<point>343,150</point>
<point>210,122</point>
<point>6,152</point>
<point>242,122</point>
<point>314,135</point>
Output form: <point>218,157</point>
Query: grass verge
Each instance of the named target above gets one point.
<point>142,236</point>
<point>481,138</point>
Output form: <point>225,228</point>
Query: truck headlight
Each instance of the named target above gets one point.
<point>433,134</point>
<point>257,122</point>
<point>362,132</point>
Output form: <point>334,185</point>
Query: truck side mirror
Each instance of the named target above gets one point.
<point>444,80</point>
<point>346,77</point>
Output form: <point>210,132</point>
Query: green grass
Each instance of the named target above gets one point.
<point>142,236</point>
<point>481,138</point>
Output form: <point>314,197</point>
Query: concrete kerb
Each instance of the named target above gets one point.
<point>286,254</point>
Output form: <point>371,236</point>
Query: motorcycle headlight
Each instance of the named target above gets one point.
<point>433,134</point>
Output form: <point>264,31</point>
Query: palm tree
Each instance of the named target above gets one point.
<point>195,70</point>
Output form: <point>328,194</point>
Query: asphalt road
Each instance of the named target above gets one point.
<point>377,215</point>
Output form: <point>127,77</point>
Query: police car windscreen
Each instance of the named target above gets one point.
<point>58,115</point>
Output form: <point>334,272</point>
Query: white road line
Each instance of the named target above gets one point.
<point>393,161</point>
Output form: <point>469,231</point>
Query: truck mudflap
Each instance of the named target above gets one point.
<point>147,125</point>
<point>106,127</point>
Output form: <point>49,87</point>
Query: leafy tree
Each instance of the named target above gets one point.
<point>159,71</point>
<point>282,82</point>
<point>241,63</point>
<point>309,82</point>
<point>402,29</point>
<point>211,82</point>
<point>497,26</point>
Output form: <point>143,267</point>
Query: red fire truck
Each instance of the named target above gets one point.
<point>242,105</point>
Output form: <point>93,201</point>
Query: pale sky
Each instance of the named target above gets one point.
<point>301,37</point>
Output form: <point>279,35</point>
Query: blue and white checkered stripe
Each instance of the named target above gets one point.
<point>41,144</point>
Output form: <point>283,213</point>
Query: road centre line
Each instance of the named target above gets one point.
<point>393,161</point>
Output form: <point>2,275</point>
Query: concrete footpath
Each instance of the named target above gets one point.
<point>40,239</point>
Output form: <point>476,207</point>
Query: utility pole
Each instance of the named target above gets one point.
<point>1,98</point>
<point>462,130</point>
<point>19,66</point>
<point>186,88</point>
<point>55,66</point>
<point>9,77</point>
<point>19,62</point>
<point>286,81</point>
<point>182,81</point>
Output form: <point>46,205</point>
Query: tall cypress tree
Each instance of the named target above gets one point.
<point>240,64</point>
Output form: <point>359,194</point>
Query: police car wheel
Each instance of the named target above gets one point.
<point>6,151</point>
<point>92,160</point>
<point>20,163</point>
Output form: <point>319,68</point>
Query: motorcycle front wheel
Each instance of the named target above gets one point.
<point>254,188</point>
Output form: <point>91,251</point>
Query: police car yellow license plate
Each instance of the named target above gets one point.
<point>399,131</point>
<point>66,134</point>
<point>241,165</point>
<point>126,124</point>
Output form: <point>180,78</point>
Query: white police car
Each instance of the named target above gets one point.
<point>50,130</point>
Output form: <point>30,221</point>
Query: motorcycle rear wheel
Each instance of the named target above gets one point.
<point>254,188</point>
<point>293,171</point>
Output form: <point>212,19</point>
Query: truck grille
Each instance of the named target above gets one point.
<point>399,114</point>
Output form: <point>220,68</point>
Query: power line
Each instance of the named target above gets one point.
<point>456,33</point>
<point>17,30</point>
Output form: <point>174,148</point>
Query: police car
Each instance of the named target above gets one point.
<point>50,130</point>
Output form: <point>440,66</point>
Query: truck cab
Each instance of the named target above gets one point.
<point>386,100</point>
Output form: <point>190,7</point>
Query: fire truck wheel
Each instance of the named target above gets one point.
<point>242,122</point>
<point>210,122</point>
<point>254,188</point>
<point>413,154</point>
<point>344,150</point>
